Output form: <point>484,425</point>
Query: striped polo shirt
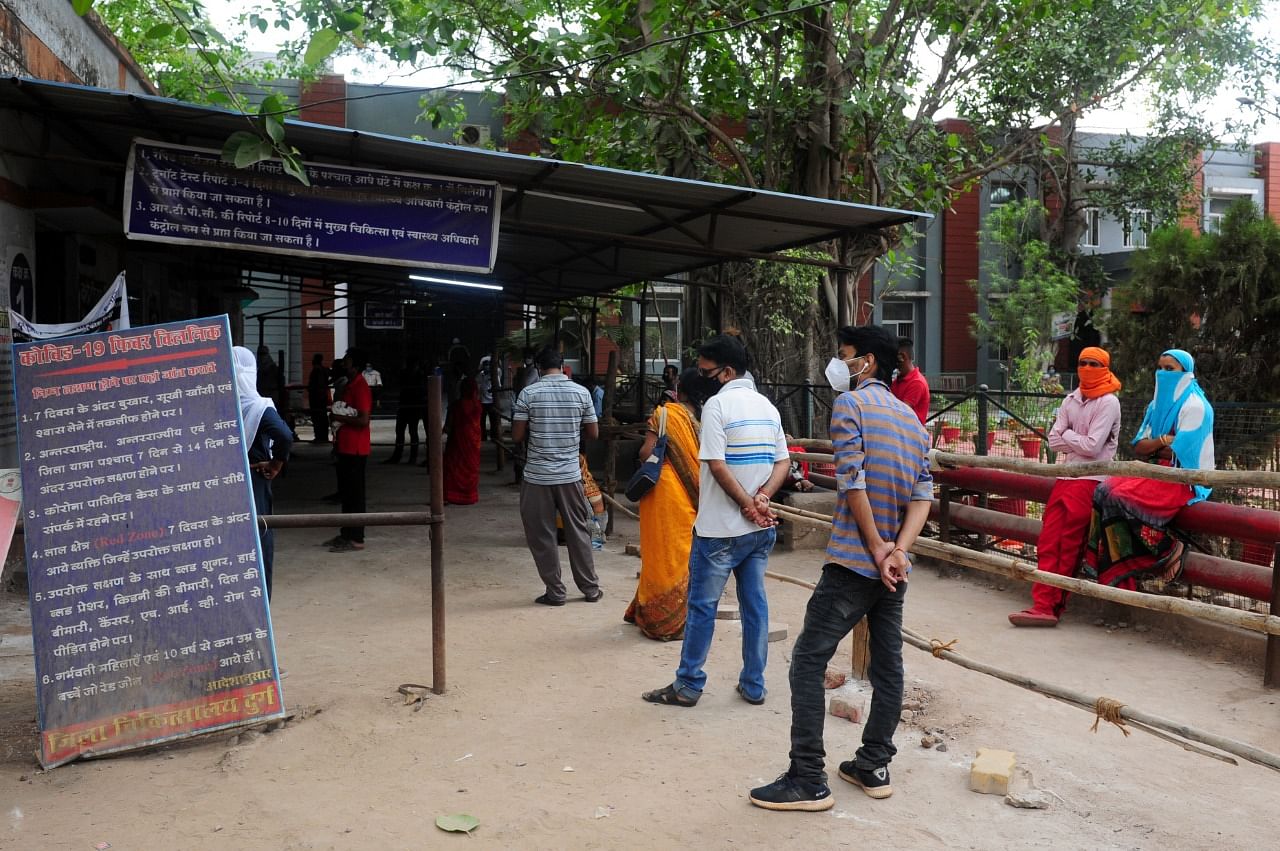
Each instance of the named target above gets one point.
<point>556,410</point>
<point>743,429</point>
<point>880,447</point>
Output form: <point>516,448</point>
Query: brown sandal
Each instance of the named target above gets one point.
<point>668,696</point>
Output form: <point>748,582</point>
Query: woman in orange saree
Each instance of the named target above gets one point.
<point>462,450</point>
<point>666,524</point>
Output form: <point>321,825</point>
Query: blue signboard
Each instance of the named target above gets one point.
<point>148,605</point>
<point>188,195</point>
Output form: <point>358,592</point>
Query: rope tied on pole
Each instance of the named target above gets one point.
<point>1110,711</point>
<point>937,648</point>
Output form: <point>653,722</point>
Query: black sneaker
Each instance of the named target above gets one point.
<point>788,793</point>
<point>874,782</point>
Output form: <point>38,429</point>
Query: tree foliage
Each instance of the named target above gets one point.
<point>832,99</point>
<point>1216,295</point>
<point>1026,286</point>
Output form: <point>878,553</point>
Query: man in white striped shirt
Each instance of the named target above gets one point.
<point>550,417</point>
<point>744,463</point>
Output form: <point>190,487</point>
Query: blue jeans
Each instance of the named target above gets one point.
<point>711,560</point>
<point>841,599</point>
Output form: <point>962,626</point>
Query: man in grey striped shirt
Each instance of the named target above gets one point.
<point>550,417</point>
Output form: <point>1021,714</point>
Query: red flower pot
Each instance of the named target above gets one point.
<point>950,433</point>
<point>1030,446</point>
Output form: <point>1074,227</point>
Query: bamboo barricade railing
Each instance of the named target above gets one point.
<point>1104,708</point>
<point>1018,569</point>
<point>939,460</point>
<point>1210,478</point>
<point>620,507</point>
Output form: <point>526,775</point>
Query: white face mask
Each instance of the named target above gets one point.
<point>838,376</point>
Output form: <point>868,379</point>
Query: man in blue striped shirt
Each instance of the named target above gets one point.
<point>885,489</point>
<point>744,463</point>
<point>550,417</point>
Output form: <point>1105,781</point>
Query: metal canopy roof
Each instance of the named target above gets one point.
<point>567,229</point>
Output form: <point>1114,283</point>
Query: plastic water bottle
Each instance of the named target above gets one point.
<point>597,532</point>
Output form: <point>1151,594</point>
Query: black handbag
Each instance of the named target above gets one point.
<point>645,478</point>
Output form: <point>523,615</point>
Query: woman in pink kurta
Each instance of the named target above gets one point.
<point>1087,428</point>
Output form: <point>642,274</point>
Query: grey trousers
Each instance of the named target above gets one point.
<point>538,507</point>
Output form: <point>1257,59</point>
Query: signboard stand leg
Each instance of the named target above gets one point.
<point>435,452</point>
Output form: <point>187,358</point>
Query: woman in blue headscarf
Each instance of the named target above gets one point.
<point>1128,534</point>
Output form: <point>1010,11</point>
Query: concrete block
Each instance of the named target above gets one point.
<point>991,771</point>
<point>633,550</point>
<point>852,708</point>
<point>803,536</point>
<point>728,612</point>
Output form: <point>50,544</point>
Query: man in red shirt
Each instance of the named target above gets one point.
<point>910,386</point>
<point>352,446</point>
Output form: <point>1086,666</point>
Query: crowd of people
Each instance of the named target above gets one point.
<point>724,458</point>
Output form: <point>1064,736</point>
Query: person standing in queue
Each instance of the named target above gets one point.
<point>550,418</point>
<point>352,445</point>
<point>318,398</point>
<point>268,441</point>
<point>885,491</point>
<point>744,462</point>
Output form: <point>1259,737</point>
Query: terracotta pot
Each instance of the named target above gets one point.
<point>950,433</point>
<point>1030,446</point>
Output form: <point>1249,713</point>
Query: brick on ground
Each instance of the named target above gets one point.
<point>991,771</point>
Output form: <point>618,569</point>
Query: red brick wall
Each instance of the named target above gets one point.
<point>315,339</point>
<point>319,101</point>
<point>1269,172</point>
<point>959,267</point>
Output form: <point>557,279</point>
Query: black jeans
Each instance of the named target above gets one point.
<point>351,491</point>
<point>841,599</point>
<point>408,418</point>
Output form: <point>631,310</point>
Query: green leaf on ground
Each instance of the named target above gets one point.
<point>457,823</point>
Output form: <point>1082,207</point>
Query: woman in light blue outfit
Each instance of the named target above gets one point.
<point>1129,534</point>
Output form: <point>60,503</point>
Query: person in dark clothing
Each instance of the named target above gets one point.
<point>268,440</point>
<point>412,409</point>
<point>318,398</point>
<point>268,374</point>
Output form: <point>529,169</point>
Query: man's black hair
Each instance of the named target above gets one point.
<point>695,388</point>
<point>317,358</point>
<point>725,350</point>
<point>908,345</point>
<point>356,359</point>
<point>548,358</point>
<point>873,340</point>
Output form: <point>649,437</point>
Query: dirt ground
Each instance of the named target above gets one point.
<point>543,737</point>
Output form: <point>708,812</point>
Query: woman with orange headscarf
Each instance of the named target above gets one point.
<point>1087,428</point>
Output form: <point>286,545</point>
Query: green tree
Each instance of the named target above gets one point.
<point>840,98</point>
<point>837,99</point>
<point>1217,295</point>
<point>1026,286</point>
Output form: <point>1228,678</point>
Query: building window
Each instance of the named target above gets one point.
<point>899,317</point>
<point>663,328</point>
<point>1001,192</point>
<point>1217,210</point>
<point>1137,227</point>
<point>1092,236</point>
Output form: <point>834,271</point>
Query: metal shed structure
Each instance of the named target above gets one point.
<point>567,229</point>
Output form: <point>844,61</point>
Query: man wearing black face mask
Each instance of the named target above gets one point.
<point>885,490</point>
<point>744,463</point>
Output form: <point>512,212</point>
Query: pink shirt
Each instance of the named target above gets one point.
<point>1086,429</point>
